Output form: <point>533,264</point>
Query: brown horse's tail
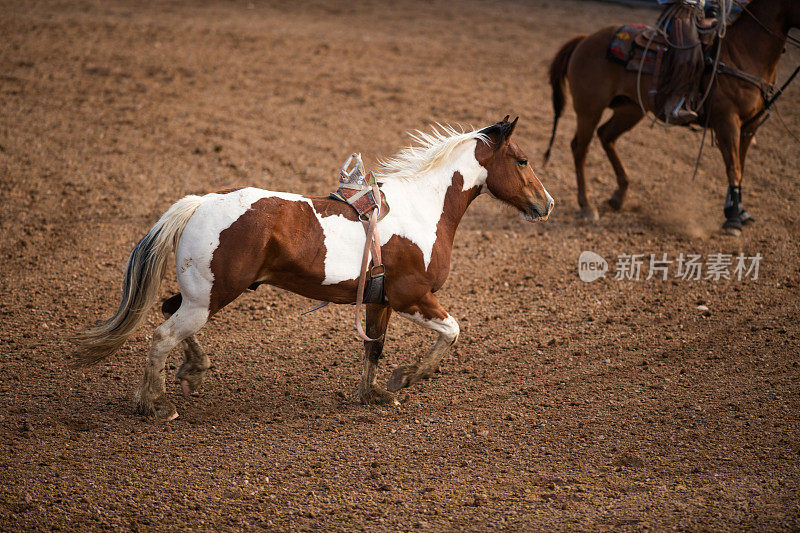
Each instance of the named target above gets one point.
<point>146,266</point>
<point>558,74</point>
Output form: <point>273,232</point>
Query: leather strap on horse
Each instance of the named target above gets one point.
<point>763,85</point>
<point>371,245</point>
<point>769,102</point>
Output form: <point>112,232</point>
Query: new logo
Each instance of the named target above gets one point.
<point>591,266</point>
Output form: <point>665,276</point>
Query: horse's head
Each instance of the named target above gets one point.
<point>510,177</point>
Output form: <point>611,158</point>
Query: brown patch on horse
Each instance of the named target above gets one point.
<point>241,252</point>
<point>327,207</point>
<point>456,203</point>
<point>279,242</point>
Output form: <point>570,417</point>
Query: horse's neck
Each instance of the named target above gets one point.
<point>429,208</point>
<point>444,194</point>
<point>750,47</point>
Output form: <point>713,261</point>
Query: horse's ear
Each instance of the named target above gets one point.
<point>500,132</point>
<point>508,128</point>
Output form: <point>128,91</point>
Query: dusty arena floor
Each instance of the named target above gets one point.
<point>566,405</point>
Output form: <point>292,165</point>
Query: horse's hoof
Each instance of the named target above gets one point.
<point>732,227</point>
<point>402,377</point>
<point>615,203</point>
<point>377,396</point>
<point>745,218</point>
<point>190,381</point>
<point>590,213</point>
<point>160,409</point>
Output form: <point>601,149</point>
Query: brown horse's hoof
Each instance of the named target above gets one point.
<point>377,396</point>
<point>190,378</point>
<point>590,213</point>
<point>732,232</point>
<point>615,202</point>
<point>732,227</point>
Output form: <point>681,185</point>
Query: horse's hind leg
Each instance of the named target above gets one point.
<point>151,395</point>
<point>368,390</point>
<point>430,314</point>
<point>195,361</point>
<point>624,118</point>
<point>587,121</point>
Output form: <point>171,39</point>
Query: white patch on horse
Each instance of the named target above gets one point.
<point>344,246</point>
<point>448,327</point>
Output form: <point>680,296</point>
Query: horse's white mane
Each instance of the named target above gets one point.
<point>432,149</point>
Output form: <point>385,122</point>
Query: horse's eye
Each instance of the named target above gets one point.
<point>522,162</point>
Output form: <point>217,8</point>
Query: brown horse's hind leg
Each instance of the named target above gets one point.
<point>430,314</point>
<point>624,118</point>
<point>195,361</point>
<point>368,390</point>
<point>580,144</point>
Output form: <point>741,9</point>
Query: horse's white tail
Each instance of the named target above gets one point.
<point>143,274</point>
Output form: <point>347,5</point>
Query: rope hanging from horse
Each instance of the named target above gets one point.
<point>768,91</point>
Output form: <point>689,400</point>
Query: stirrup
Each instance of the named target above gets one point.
<point>681,115</point>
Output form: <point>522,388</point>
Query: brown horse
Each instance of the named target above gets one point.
<point>225,242</point>
<point>754,44</point>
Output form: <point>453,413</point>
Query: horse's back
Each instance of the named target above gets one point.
<point>241,236</point>
<point>593,79</point>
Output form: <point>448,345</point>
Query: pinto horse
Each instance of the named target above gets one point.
<point>753,45</point>
<point>225,242</point>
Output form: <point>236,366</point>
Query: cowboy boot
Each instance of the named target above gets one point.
<point>677,112</point>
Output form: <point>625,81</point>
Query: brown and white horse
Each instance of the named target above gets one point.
<point>224,242</point>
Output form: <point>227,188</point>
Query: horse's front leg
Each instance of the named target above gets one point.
<point>746,139</point>
<point>733,147</point>
<point>368,390</point>
<point>430,314</point>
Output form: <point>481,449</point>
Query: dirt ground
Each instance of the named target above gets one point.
<point>566,405</point>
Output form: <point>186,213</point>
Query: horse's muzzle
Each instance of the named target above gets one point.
<point>537,212</point>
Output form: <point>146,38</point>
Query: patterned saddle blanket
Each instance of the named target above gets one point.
<point>626,48</point>
<point>639,46</point>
